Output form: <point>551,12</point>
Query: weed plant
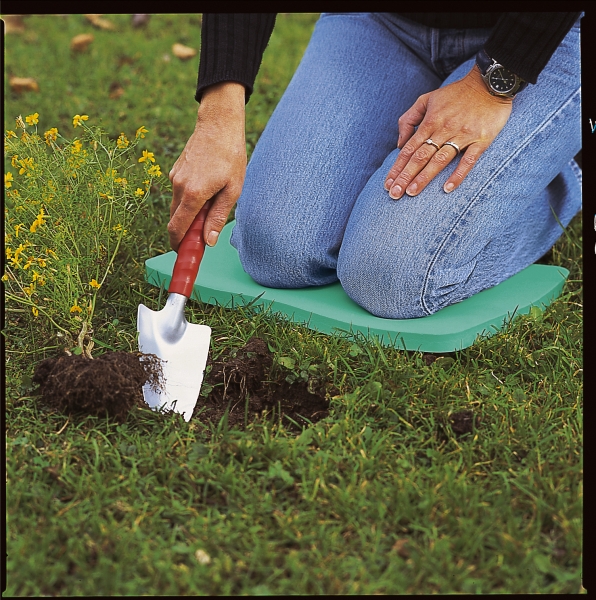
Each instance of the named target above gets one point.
<point>70,204</point>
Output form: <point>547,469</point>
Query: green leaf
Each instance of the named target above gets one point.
<point>305,437</point>
<point>542,563</point>
<point>443,362</point>
<point>355,350</point>
<point>206,389</point>
<point>287,362</point>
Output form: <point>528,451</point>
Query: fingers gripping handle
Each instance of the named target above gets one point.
<point>190,254</point>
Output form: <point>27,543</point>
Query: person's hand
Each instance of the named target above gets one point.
<point>212,164</point>
<point>464,113</point>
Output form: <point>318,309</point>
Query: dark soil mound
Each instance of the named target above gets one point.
<point>241,384</point>
<point>110,384</point>
<point>464,421</point>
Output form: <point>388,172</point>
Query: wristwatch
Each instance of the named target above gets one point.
<point>499,80</point>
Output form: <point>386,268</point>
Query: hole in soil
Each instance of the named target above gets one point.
<point>241,384</point>
<point>238,382</point>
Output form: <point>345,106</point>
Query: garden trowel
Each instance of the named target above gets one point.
<point>182,346</point>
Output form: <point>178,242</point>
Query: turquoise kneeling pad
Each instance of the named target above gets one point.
<point>329,309</point>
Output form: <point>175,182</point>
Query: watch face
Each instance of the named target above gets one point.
<point>502,80</point>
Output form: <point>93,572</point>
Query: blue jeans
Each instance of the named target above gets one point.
<point>314,210</point>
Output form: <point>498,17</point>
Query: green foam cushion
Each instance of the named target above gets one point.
<point>222,280</point>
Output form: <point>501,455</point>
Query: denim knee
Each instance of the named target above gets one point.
<point>282,257</point>
<point>387,285</point>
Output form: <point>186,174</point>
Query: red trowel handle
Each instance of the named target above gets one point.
<point>190,254</point>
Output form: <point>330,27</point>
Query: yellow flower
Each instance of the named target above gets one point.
<point>20,123</point>
<point>29,289</point>
<point>146,182</point>
<point>154,170</point>
<point>78,119</point>
<point>93,283</point>
<point>76,146</point>
<point>147,156</point>
<point>141,131</point>
<point>15,262</point>
<point>41,262</point>
<point>139,192</point>
<point>119,228</point>
<point>8,251</point>
<point>13,161</point>
<point>18,228</point>
<point>38,221</point>
<point>50,135</point>
<point>51,253</point>
<point>122,141</point>
<point>34,311</point>
<point>41,280</point>
<point>7,180</point>
<point>5,277</point>
<point>7,238</point>
<point>10,134</point>
<point>121,180</point>
<point>28,263</point>
<point>75,308</point>
<point>26,163</point>
<point>106,196</point>
<point>32,119</point>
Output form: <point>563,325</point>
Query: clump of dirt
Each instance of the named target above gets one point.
<point>241,384</point>
<point>463,422</point>
<point>110,384</point>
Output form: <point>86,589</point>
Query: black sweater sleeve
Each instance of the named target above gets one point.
<point>232,47</point>
<point>232,44</point>
<point>524,42</point>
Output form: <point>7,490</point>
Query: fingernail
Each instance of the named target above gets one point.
<point>411,191</point>
<point>448,187</point>
<point>389,183</point>
<point>212,238</point>
<point>395,192</point>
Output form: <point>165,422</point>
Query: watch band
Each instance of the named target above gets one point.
<point>483,60</point>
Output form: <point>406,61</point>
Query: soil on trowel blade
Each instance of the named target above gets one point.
<point>110,384</point>
<point>241,384</point>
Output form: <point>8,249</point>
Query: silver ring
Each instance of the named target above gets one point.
<point>431,143</point>
<point>452,144</point>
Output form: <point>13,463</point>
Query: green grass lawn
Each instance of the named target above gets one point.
<point>383,496</point>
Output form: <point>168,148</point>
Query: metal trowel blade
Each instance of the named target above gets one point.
<point>183,348</point>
